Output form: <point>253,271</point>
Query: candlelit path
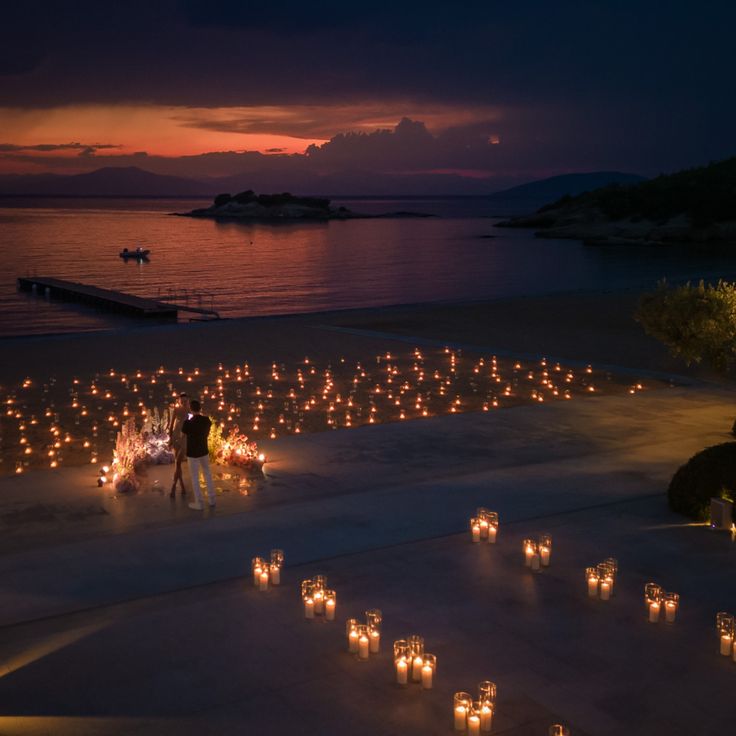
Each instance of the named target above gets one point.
<point>228,659</point>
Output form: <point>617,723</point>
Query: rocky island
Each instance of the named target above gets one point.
<point>281,207</point>
<point>693,206</point>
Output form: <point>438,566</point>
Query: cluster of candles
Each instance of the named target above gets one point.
<point>364,639</point>
<point>726,627</point>
<point>557,729</point>
<point>412,663</point>
<point>484,526</point>
<point>49,421</point>
<point>537,554</point>
<point>655,597</point>
<point>267,571</point>
<point>601,579</point>
<point>475,716</point>
<point>318,599</point>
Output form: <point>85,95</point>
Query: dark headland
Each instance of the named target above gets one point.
<point>692,206</point>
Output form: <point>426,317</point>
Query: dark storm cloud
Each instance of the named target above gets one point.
<point>85,149</point>
<point>647,81</point>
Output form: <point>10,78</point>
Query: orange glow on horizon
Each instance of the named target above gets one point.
<point>176,131</point>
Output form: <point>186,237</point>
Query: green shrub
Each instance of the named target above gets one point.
<point>711,473</point>
<point>696,322</point>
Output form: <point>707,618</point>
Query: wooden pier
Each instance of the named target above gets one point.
<point>114,301</point>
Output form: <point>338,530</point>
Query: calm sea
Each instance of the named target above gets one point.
<point>256,269</point>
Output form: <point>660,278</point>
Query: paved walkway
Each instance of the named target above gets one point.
<point>145,623</point>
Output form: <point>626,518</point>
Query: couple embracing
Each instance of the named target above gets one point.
<point>189,431</point>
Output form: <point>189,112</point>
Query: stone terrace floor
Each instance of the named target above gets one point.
<point>139,619</point>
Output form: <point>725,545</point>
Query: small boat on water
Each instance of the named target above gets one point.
<point>139,254</point>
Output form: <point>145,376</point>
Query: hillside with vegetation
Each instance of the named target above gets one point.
<point>694,205</point>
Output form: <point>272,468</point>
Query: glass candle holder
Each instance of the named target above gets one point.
<point>373,617</point>
<point>653,599</point>
<point>492,519</point>
<point>330,598</point>
<point>263,579</point>
<point>612,562</point>
<point>726,627</point>
<point>482,516</point>
<point>462,703</point>
<point>545,549</point>
<point>277,557</point>
<point>401,661</point>
<point>475,529</point>
<point>416,654</point>
<point>559,730</point>
<point>671,605</point>
<point>363,642</point>
<point>487,691</point>
<point>474,719</point>
<point>486,716</point>
<point>429,667</point>
<point>592,579</point>
<point>318,595</point>
<point>320,582</point>
<point>275,573</point>
<point>605,581</point>
<point>308,598</point>
<point>256,566</point>
<point>351,632</point>
<point>530,549</point>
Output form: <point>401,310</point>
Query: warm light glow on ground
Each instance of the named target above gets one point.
<point>78,422</point>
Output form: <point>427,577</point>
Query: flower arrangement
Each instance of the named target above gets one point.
<point>234,449</point>
<point>155,432</point>
<point>128,454</point>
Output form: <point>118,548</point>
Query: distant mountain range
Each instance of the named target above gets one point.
<point>548,190</point>
<point>135,182</point>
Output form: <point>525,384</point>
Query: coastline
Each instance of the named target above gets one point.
<point>588,326</point>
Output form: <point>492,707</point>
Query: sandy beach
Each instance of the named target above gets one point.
<point>585,327</point>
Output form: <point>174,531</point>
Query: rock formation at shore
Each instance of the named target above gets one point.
<point>692,206</point>
<point>281,207</point>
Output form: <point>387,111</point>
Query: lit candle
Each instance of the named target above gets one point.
<point>460,717</point>
<point>486,717</point>
<point>257,570</point>
<point>363,646</point>
<point>528,552</point>
<point>492,531</point>
<point>402,671</point>
<point>534,563</point>
<point>544,553</point>
<point>592,578</point>
<point>605,589</point>
<point>726,644</point>
<point>474,725</point>
<point>429,667</point>
<point>353,636</point>
<point>427,673</point>
<point>275,575</point>
<point>670,611</point>
<point>319,603</point>
<point>309,607</point>
<point>475,530</point>
<point>263,580</point>
<point>416,670</point>
<point>375,639</point>
<point>653,612</point>
<point>330,605</point>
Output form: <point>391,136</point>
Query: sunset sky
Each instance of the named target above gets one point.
<point>495,89</point>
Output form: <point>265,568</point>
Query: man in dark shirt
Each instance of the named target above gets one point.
<point>197,429</point>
